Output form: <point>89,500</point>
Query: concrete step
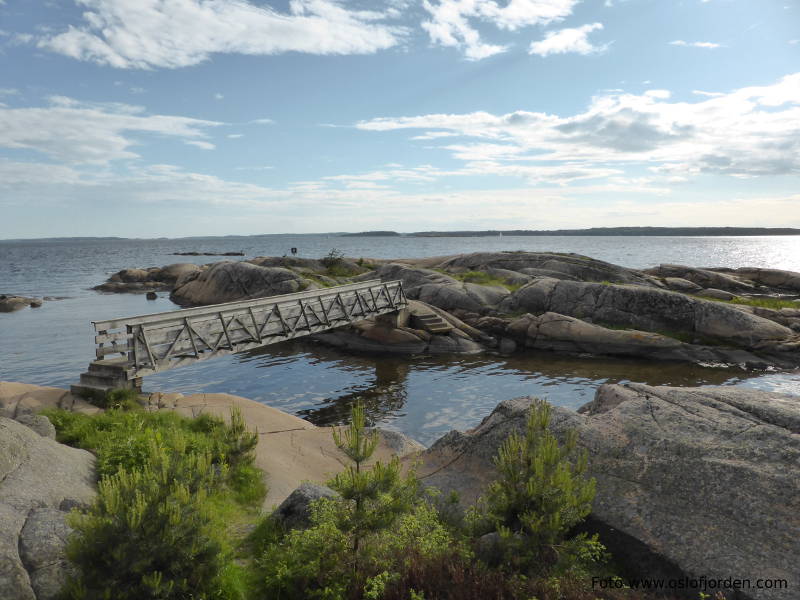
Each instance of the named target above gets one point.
<point>110,368</point>
<point>447,329</point>
<point>92,393</point>
<point>103,381</point>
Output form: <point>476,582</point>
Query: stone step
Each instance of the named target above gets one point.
<point>99,380</point>
<point>439,329</point>
<point>109,368</point>
<point>92,393</point>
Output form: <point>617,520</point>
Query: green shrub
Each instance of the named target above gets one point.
<point>172,493</point>
<point>119,398</point>
<point>360,543</point>
<point>332,259</point>
<point>541,494</point>
<point>150,533</point>
<point>121,440</point>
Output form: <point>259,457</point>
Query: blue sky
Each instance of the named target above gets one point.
<point>210,117</point>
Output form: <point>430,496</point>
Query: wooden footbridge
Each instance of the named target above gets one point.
<point>130,348</point>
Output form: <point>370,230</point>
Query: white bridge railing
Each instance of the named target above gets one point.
<point>158,342</point>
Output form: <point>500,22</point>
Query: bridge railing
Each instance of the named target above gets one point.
<point>157,342</point>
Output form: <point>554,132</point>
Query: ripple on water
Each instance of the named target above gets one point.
<point>421,396</point>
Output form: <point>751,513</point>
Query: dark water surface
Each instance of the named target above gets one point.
<point>423,396</point>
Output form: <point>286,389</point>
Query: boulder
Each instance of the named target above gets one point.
<point>148,280</point>
<point>703,277</point>
<point>568,265</point>
<point>172,273</point>
<point>561,333</point>
<point>443,291</point>
<point>229,281</point>
<point>774,278</point>
<point>399,443</point>
<point>708,478</point>
<point>715,294</point>
<point>295,511</point>
<point>41,549</point>
<point>38,423</point>
<point>37,473</point>
<point>678,284</point>
<point>510,277</point>
<point>13,303</point>
<point>649,309</point>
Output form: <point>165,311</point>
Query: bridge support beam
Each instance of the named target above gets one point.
<point>393,320</point>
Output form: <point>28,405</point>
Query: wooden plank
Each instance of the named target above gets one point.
<point>111,337</point>
<point>227,306</point>
<point>102,351</point>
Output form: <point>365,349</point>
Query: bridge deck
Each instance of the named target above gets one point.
<point>158,342</point>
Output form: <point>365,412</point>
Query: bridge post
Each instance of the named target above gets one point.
<point>393,320</point>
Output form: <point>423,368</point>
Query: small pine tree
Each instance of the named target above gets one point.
<point>542,493</point>
<point>375,497</point>
<point>149,533</point>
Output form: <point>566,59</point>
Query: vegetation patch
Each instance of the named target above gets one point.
<point>173,496</point>
<point>773,303</point>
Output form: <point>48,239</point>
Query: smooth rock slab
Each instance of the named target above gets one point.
<point>707,477</point>
<point>36,473</point>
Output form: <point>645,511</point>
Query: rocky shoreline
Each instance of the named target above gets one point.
<point>508,301</point>
<point>706,480</point>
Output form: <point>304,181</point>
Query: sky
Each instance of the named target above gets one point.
<point>147,118</point>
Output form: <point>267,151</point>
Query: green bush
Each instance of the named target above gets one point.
<point>121,440</point>
<point>332,259</point>
<point>172,491</point>
<point>150,533</point>
<point>358,544</point>
<point>541,494</point>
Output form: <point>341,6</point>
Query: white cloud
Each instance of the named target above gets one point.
<point>201,145</point>
<point>234,136</point>
<point>218,96</point>
<point>9,91</point>
<point>452,21</point>
<point>574,39</point>
<point>75,132</point>
<point>137,34</point>
<point>749,132</point>
<point>263,121</point>
<point>709,45</point>
<point>349,205</point>
<point>707,94</point>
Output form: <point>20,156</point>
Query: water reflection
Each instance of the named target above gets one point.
<point>426,396</point>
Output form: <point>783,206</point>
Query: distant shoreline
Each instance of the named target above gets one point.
<point>596,231</point>
<point>593,231</point>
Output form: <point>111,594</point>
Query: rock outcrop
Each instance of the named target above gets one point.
<point>708,478</point>
<point>230,281</point>
<point>154,279</point>
<point>40,479</point>
<point>652,309</point>
<point>547,264</point>
<point>704,278</point>
<point>13,303</point>
<point>425,329</point>
<point>489,289</point>
<point>443,291</point>
<point>561,333</point>
<point>295,511</point>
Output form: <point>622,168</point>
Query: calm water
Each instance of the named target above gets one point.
<point>422,396</point>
